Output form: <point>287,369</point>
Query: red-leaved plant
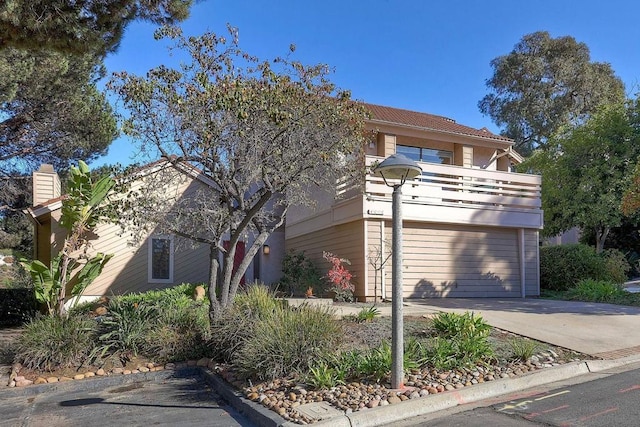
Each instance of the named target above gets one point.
<point>339,277</point>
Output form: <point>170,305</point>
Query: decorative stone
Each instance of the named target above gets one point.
<point>23,382</point>
<point>170,366</point>
<point>126,372</point>
<point>143,369</point>
<point>89,374</point>
<point>100,372</point>
<point>65,379</point>
<point>40,380</point>
<point>52,379</point>
<point>117,371</point>
<point>393,399</point>
<point>79,377</point>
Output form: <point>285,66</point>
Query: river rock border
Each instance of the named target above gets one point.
<point>17,380</point>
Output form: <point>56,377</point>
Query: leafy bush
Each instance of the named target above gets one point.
<point>339,278</point>
<point>596,291</point>
<point>462,340</point>
<point>49,343</point>
<point>299,274</point>
<point>616,266</point>
<point>288,341</point>
<point>323,375</point>
<point>563,266</point>
<point>17,306</point>
<point>467,324</point>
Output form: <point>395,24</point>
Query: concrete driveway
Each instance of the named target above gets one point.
<point>602,330</point>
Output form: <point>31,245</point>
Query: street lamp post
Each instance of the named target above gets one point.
<point>399,168</point>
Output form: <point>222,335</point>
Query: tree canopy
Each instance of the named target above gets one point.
<point>263,133</point>
<point>546,83</point>
<point>586,170</point>
<point>81,26</point>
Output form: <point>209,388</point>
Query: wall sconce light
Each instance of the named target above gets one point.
<point>266,249</point>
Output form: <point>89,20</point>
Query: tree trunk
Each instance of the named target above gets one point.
<point>246,261</point>
<point>601,236</point>
<point>214,266</point>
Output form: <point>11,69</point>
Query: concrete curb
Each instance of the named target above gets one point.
<point>256,413</point>
<point>438,402</point>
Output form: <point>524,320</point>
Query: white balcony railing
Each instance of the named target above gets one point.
<point>455,186</point>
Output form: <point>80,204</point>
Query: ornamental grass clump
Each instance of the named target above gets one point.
<point>235,325</point>
<point>53,342</point>
<point>288,342</point>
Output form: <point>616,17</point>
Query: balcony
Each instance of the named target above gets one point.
<point>442,194</point>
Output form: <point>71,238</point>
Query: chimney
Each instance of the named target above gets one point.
<point>46,184</point>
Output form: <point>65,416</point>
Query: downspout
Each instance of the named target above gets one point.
<point>522,262</point>
<point>383,292</point>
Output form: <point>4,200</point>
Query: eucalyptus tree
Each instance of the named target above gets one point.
<point>262,133</point>
<point>546,83</point>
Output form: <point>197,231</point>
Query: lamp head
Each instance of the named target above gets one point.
<point>397,166</point>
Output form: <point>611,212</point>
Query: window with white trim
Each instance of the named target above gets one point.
<point>429,155</point>
<point>161,259</point>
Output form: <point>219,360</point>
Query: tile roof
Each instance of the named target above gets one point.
<point>428,121</point>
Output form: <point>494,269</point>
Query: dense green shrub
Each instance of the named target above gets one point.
<point>616,266</point>
<point>450,325</point>
<point>596,291</point>
<point>17,306</point>
<point>563,266</point>
<point>462,340</point>
<point>288,341</point>
<point>54,342</point>
<point>299,274</point>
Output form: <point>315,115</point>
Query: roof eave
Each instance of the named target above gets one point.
<point>503,142</point>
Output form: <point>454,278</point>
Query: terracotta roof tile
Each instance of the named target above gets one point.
<point>428,121</point>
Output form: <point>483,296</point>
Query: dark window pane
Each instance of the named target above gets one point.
<point>160,258</point>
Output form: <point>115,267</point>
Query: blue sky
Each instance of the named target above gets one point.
<point>425,55</point>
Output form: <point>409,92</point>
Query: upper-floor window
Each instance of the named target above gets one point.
<point>161,259</point>
<point>429,155</point>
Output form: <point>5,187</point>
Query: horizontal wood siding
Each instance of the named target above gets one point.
<point>127,271</point>
<point>458,261</point>
<point>532,265</point>
<point>345,241</point>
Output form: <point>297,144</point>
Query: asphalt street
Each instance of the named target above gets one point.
<point>183,401</point>
<point>607,400</point>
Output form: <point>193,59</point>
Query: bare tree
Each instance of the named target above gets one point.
<point>261,133</point>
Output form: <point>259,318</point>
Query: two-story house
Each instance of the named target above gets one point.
<point>470,224</point>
